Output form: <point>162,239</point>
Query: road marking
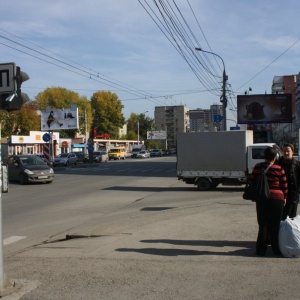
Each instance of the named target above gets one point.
<point>12,239</point>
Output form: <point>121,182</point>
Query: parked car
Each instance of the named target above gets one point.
<point>155,152</point>
<point>98,156</point>
<point>104,156</point>
<point>143,154</point>
<point>136,149</point>
<point>65,159</point>
<point>27,168</point>
<point>80,155</point>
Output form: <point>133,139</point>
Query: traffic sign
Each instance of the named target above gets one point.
<point>235,128</point>
<point>7,78</point>
<point>218,118</point>
<point>46,137</point>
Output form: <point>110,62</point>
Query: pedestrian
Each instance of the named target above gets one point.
<point>292,171</point>
<point>90,144</point>
<point>269,211</point>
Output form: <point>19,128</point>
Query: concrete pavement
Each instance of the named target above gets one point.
<point>201,250</point>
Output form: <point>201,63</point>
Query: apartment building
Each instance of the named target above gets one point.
<point>286,132</point>
<point>172,119</point>
<point>204,119</point>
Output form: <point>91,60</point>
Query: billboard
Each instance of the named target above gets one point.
<point>156,135</point>
<point>66,118</point>
<point>265,108</point>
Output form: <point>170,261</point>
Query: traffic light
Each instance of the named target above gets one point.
<point>14,100</point>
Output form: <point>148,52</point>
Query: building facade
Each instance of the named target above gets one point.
<point>172,119</point>
<point>204,119</point>
<point>286,132</point>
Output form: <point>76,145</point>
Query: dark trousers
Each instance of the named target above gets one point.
<point>269,215</point>
<point>290,209</point>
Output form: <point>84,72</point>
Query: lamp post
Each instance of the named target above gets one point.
<point>139,126</point>
<point>225,78</point>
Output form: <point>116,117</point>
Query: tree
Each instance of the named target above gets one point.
<point>139,120</point>
<point>107,113</point>
<point>59,98</point>
<point>20,122</point>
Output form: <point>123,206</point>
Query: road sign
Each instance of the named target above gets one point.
<point>7,78</point>
<point>235,128</point>
<point>46,137</point>
<point>218,118</point>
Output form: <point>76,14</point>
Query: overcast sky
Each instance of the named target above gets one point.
<point>119,40</point>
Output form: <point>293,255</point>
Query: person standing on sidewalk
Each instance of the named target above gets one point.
<point>292,172</point>
<point>269,211</point>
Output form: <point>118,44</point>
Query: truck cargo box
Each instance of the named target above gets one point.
<point>213,151</point>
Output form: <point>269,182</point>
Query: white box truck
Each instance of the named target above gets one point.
<point>207,159</point>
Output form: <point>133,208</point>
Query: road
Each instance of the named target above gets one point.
<point>130,230</point>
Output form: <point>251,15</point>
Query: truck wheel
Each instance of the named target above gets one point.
<point>203,184</point>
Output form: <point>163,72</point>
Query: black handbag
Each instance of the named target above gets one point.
<point>258,189</point>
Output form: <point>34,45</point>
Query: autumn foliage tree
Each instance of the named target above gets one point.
<point>107,113</point>
<point>20,122</point>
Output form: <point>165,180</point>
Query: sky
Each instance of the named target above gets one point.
<point>124,47</point>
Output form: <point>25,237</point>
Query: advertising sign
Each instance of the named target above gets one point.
<point>66,118</point>
<point>272,108</point>
<point>156,135</point>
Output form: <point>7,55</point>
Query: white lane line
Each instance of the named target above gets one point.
<point>12,239</point>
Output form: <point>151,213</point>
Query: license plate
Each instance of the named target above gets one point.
<point>42,177</point>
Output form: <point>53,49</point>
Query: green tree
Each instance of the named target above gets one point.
<point>107,113</point>
<point>59,98</point>
<point>141,123</point>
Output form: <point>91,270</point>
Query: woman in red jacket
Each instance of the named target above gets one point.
<point>269,212</point>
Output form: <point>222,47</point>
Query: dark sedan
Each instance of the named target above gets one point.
<point>29,168</point>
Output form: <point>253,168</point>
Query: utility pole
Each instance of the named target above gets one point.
<point>223,98</point>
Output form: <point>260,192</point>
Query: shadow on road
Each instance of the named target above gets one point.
<point>188,187</point>
<point>247,248</point>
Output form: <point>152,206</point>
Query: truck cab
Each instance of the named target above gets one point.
<point>255,154</point>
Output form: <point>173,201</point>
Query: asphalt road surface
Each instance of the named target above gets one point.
<point>130,230</point>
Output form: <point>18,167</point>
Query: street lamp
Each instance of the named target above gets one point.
<point>225,78</point>
<point>139,126</point>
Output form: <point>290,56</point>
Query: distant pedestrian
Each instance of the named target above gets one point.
<point>90,146</point>
<point>292,170</point>
<point>269,211</point>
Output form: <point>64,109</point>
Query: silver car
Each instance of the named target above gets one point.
<point>65,159</point>
<point>143,154</point>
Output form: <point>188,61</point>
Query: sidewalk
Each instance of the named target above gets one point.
<point>202,250</point>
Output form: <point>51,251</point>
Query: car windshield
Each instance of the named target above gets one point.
<point>63,155</point>
<point>31,160</point>
<point>97,153</point>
